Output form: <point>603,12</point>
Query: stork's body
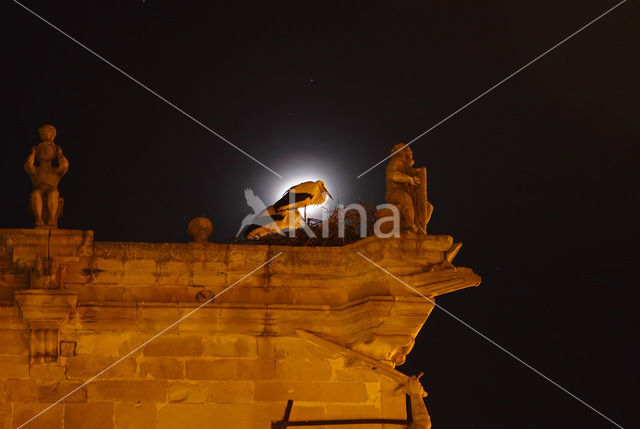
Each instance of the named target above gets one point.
<point>302,195</point>
<point>284,213</point>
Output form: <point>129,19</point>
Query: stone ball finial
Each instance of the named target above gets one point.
<point>200,229</point>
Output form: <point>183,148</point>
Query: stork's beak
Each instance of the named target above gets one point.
<point>325,189</point>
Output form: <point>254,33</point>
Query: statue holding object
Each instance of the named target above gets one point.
<point>407,190</point>
<point>45,201</point>
<point>413,389</point>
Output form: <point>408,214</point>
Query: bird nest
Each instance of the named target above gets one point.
<point>326,231</point>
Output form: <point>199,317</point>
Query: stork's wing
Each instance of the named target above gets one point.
<point>253,201</point>
<point>284,201</point>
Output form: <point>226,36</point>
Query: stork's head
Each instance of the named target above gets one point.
<point>323,188</point>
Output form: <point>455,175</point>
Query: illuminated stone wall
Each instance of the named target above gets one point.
<point>71,307</point>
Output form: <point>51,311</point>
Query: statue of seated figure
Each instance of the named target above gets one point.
<point>407,190</point>
<point>45,176</point>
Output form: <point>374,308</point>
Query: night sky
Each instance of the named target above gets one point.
<point>538,178</point>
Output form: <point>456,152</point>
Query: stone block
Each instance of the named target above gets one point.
<point>137,416</point>
<point>221,392</point>
<point>359,411</point>
<point>189,392</point>
<point>232,416</point>
<point>231,392</point>
<point>55,391</point>
<point>108,344</point>
<point>139,271</point>
<point>305,412</point>
<point>152,318</point>
<point>127,391</point>
<point>86,367</point>
<point>174,273</point>
<point>297,348</point>
<point>107,270</point>
<point>162,369</point>
<point>47,371</point>
<point>230,369</point>
<point>231,346</point>
<point>20,390</point>
<point>50,419</point>
<point>364,375</point>
<point>390,404</point>
<point>303,369</point>
<point>6,413</point>
<point>310,391</point>
<point>209,273</point>
<point>174,346</point>
<point>14,342</point>
<point>266,347</point>
<point>88,416</point>
<point>106,318</point>
<point>14,366</point>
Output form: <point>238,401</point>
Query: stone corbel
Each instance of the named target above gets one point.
<point>45,311</point>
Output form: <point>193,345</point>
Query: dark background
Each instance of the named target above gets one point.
<point>538,178</point>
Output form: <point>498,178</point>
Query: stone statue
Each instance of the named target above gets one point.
<point>45,176</point>
<point>419,416</point>
<point>407,190</point>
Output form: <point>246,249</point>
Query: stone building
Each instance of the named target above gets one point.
<point>321,326</point>
<point>203,335</point>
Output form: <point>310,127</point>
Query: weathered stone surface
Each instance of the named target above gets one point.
<point>137,416</point>
<point>21,390</point>
<point>220,392</point>
<point>55,391</point>
<point>6,413</point>
<point>231,346</point>
<point>127,391</point>
<point>47,371</point>
<point>230,369</point>
<point>86,367</point>
<point>51,419</point>
<point>231,392</point>
<point>14,342</point>
<point>175,346</point>
<point>162,369</point>
<point>88,415</point>
<point>107,343</point>
<point>303,369</point>
<point>198,416</point>
<point>189,392</point>
<point>357,412</point>
<point>310,391</point>
<point>14,366</point>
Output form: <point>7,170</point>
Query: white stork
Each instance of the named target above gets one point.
<point>302,195</point>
